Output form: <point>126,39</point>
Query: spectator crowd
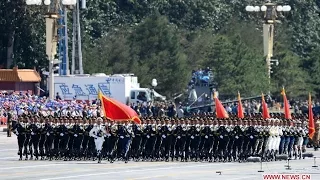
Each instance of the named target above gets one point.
<point>23,103</point>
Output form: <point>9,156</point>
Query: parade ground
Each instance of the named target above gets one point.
<point>11,168</point>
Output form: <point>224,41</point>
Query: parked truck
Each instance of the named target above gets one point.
<point>122,87</point>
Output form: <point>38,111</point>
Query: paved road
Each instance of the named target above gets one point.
<point>11,168</point>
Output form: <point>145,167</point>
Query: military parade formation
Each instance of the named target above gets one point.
<point>196,138</point>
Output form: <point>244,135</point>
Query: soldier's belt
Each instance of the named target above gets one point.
<point>183,135</point>
<point>152,135</point>
<point>138,134</point>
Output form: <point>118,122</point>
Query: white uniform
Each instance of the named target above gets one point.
<point>270,130</point>
<point>98,132</point>
<point>301,132</point>
<point>279,133</point>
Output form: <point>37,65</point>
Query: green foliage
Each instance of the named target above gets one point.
<point>166,39</point>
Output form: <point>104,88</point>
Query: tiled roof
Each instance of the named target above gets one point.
<point>19,75</point>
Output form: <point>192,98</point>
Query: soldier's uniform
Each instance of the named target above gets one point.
<point>166,140</point>
<point>43,137</point>
<point>251,135</point>
<point>113,141</point>
<point>27,150</point>
<point>125,134</point>
<point>98,132</point>
<point>50,135</point>
<point>19,130</point>
<point>136,142</point>
<point>35,127</point>
<point>316,136</point>
<point>195,139</point>
<point>260,138</point>
<point>223,141</point>
<point>158,143</point>
<point>77,130</point>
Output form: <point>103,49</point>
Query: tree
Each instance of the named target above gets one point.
<point>110,54</point>
<point>289,73</point>
<point>156,53</point>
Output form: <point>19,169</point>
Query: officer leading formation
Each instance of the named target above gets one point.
<point>197,138</point>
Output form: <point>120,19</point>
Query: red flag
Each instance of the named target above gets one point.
<point>117,111</point>
<point>287,112</point>
<point>311,120</point>
<point>220,111</point>
<point>240,108</point>
<point>265,110</point>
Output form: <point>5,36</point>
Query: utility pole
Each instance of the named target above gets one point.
<point>77,64</point>
<point>270,15</point>
<point>52,21</point>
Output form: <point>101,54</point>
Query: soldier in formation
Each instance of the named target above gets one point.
<point>197,138</point>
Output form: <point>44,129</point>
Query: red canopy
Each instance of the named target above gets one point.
<point>117,111</point>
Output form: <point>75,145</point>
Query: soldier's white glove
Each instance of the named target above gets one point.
<point>32,133</point>
<point>48,134</point>
<point>221,136</point>
<point>251,137</point>
<point>105,135</point>
<point>121,137</point>
<point>75,135</point>
<point>192,137</point>
<point>148,136</point>
<point>17,133</point>
<point>138,129</point>
<point>206,137</point>
<point>61,134</point>
<point>237,137</point>
<point>179,137</point>
<point>163,136</point>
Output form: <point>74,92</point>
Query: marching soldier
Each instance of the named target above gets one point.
<point>292,132</point>
<point>56,138</point>
<point>316,136</point>
<point>125,134</point>
<point>305,136</point>
<point>230,127</point>
<point>298,140</point>
<point>98,132</point>
<point>251,136</point>
<point>50,135</point>
<point>260,139</point>
<point>223,140</point>
<point>19,130</point>
<point>26,143</point>
<point>194,132</point>
<point>85,143</point>
<point>157,147</point>
<point>113,140</point>
<point>136,142</point>
<point>174,138</point>
<point>63,132</point>
<point>77,131</point>
<point>166,140</point>
<point>43,132</point>
<point>35,127</point>
<point>237,133</point>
